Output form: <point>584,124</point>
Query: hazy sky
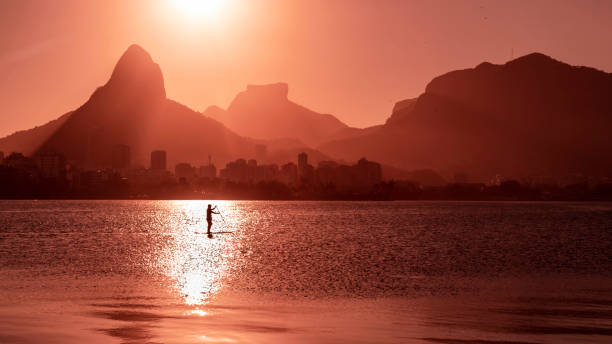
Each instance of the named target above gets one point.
<point>351,58</point>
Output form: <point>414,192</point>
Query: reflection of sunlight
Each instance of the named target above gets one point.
<point>195,262</point>
<point>197,312</point>
<point>209,339</point>
<point>198,285</point>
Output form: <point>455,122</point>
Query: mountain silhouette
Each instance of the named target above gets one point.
<point>29,141</point>
<point>401,109</point>
<point>531,116</point>
<point>132,109</point>
<point>265,112</point>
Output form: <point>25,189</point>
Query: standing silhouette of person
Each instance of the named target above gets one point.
<point>209,211</point>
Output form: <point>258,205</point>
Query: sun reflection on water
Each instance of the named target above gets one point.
<point>196,262</point>
<point>197,311</point>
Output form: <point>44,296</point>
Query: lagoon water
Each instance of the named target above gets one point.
<point>305,272</point>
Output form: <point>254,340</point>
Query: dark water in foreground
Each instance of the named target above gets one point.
<point>303,272</point>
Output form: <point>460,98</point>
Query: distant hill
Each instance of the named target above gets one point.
<point>29,141</point>
<point>401,109</point>
<point>132,109</point>
<point>531,116</point>
<point>265,112</point>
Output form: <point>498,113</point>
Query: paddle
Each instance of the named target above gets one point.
<point>222,217</point>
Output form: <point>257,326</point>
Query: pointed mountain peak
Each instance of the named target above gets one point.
<point>136,50</point>
<point>135,54</point>
<point>136,72</point>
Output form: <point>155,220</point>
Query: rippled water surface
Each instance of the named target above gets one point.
<point>303,272</point>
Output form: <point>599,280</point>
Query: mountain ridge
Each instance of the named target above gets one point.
<point>530,116</point>
<point>131,108</point>
<point>265,112</point>
<point>533,115</point>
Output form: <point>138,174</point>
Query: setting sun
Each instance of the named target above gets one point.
<point>199,9</point>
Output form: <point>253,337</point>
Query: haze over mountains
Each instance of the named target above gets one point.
<point>531,116</point>
<point>132,109</point>
<point>265,112</point>
<point>29,140</point>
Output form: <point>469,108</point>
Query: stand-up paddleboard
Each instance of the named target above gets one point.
<point>213,232</point>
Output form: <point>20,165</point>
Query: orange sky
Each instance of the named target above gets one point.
<point>351,58</point>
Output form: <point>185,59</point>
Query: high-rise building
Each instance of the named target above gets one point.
<point>288,174</point>
<point>235,171</point>
<point>302,160</point>
<point>249,172</point>
<point>304,170</point>
<point>51,165</point>
<point>121,156</point>
<point>261,153</point>
<point>184,171</point>
<point>208,171</point>
<point>326,172</point>
<point>367,173</point>
<point>158,160</point>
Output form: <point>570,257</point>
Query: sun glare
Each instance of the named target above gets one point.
<point>200,9</point>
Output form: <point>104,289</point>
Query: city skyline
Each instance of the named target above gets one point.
<point>50,175</point>
<point>483,107</point>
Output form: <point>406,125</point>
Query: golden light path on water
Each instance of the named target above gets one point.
<point>196,262</point>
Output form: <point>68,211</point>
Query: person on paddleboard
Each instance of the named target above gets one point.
<point>209,212</point>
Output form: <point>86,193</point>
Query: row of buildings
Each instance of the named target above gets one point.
<point>359,177</point>
<point>52,166</point>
